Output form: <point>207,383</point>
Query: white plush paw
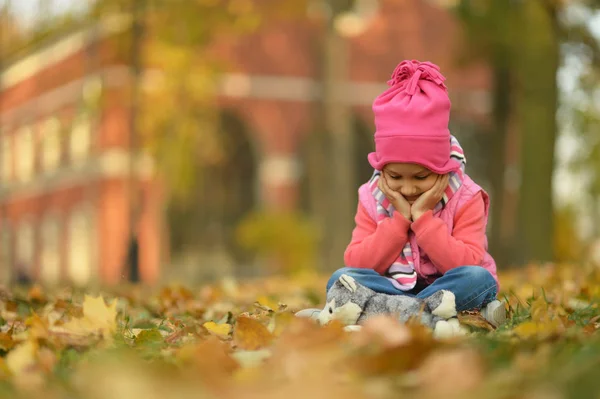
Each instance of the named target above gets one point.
<point>448,329</point>
<point>348,282</point>
<point>447,307</point>
<point>353,328</point>
<point>457,328</point>
<point>442,329</point>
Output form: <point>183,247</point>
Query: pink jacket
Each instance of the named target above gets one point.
<point>454,237</point>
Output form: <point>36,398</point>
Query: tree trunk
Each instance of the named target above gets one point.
<point>316,150</point>
<point>537,65</point>
<point>501,113</point>
<point>340,174</point>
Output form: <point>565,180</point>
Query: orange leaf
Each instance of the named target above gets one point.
<point>475,320</point>
<point>36,294</point>
<point>250,334</point>
<point>6,341</point>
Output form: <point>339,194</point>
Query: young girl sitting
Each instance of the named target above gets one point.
<point>421,221</point>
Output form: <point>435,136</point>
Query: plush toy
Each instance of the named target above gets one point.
<point>352,303</point>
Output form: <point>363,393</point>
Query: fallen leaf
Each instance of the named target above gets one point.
<point>38,327</point>
<point>97,318</point>
<point>219,330</point>
<point>210,361</point>
<point>36,294</point>
<point>475,320</point>
<point>149,337</point>
<point>250,334</point>
<point>385,330</point>
<point>455,372</point>
<point>6,341</point>
<point>267,303</point>
<point>305,349</point>
<point>251,358</point>
<point>280,322</point>
<point>532,329</point>
<point>22,358</point>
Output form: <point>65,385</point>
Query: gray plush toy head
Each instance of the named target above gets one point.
<point>346,300</point>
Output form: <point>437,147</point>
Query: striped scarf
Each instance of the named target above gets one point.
<point>402,272</point>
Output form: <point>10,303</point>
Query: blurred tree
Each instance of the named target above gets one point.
<point>536,70</point>
<point>337,120</point>
<point>17,37</point>
<point>178,119</point>
<point>568,246</point>
<point>338,129</point>
<point>582,108</point>
<point>521,42</point>
<point>491,31</point>
<point>10,32</point>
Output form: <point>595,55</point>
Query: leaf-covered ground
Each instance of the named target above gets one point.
<point>240,340</point>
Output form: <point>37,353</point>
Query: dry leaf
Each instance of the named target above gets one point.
<point>211,361</point>
<point>385,330</point>
<point>250,334</point>
<point>475,320</point>
<point>267,302</point>
<point>97,318</point>
<point>36,294</point>
<point>305,349</point>
<point>22,358</point>
<point>532,329</point>
<point>6,341</point>
<point>220,330</point>
<point>451,373</point>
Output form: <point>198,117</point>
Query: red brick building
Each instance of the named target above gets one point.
<point>64,138</point>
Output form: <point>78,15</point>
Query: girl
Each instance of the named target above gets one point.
<point>421,221</point>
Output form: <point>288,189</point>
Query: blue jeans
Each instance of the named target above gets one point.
<point>473,286</point>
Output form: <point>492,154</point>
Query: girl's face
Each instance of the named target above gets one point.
<point>409,179</point>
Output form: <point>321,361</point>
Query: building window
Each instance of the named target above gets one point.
<point>50,253</point>
<point>79,144</point>
<point>51,144</point>
<point>24,154</point>
<point>80,239</point>
<point>25,249</point>
<point>6,154</point>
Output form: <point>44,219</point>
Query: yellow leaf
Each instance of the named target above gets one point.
<point>97,318</point>
<point>268,302</point>
<point>22,357</point>
<point>250,334</point>
<point>532,329</point>
<point>38,327</point>
<point>279,322</point>
<point>539,309</point>
<point>220,330</point>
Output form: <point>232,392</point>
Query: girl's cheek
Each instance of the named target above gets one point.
<point>395,186</point>
<point>427,186</point>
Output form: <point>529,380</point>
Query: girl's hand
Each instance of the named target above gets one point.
<point>398,201</point>
<point>430,198</point>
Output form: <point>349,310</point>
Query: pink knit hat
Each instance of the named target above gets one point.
<point>411,119</point>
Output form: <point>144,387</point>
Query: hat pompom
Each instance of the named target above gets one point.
<point>413,71</point>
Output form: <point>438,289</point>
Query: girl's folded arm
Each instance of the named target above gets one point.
<point>376,246</point>
<point>464,247</point>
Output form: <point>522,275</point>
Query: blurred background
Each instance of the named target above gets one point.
<point>191,140</point>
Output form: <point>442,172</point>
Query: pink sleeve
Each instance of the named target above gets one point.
<point>376,246</point>
<point>464,247</point>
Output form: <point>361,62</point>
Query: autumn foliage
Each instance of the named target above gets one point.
<point>241,340</point>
